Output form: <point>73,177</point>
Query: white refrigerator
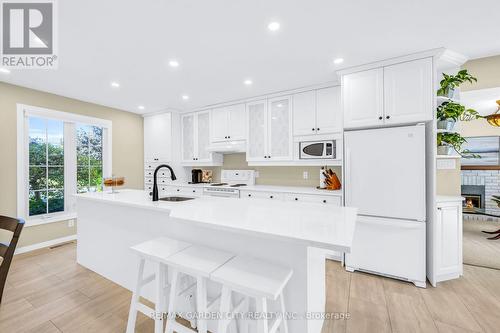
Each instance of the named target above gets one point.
<point>385,179</point>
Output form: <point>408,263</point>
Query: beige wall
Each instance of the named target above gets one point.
<point>487,72</point>
<point>127,149</point>
<point>278,175</point>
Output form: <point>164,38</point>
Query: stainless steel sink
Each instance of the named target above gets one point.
<point>175,199</point>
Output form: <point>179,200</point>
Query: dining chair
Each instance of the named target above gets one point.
<point>7,250</point>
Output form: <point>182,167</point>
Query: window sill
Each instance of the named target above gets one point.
<point>49,219</point>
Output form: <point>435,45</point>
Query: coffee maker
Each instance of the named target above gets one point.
<point>196,176</point>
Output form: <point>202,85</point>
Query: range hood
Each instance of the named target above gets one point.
<point>228,147</point>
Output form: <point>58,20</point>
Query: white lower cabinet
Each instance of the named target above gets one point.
<point>261,195</point>
<point>324,199</point>
<point>445,247</point>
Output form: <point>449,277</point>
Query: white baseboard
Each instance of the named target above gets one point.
<point>41,245</point>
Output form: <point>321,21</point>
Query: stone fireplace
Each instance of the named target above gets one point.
<point>478,186</point>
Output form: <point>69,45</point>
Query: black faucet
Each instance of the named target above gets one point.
<point>155,185</point>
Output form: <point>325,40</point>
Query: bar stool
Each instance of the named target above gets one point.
<point>155,251</point>
<point>197,262</point>
<point>255,279</point>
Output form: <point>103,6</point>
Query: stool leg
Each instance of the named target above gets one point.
<point>171,302</point>
<point>201,300</point>
<point>244,322</point>
<point>160,298</point>
<point>261,308</point>
<point>132,315</point>
<point>284,323</point>
<point>225,303</point>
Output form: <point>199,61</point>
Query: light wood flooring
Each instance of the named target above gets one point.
<point>48,292</point>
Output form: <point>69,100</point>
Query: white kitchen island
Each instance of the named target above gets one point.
<point>295,235</point>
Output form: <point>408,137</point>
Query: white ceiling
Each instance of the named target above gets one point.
<point>220,43</point>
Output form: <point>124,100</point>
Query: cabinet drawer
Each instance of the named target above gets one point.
<point>184,190</point>
<point>160,181</point>
<point>323,199</point>
<point>261,195</point>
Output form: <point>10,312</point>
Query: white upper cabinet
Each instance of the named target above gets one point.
<point>158,138</point>
<point>408,92</point>
<point>237,122</point>
<point>280,129</point>
<point>270,130</point>
<point>390,95</point>
<point>363,94</point>
<point>196,138</point>
<point>257,131</point>
<point>219,125</point>
<point>203,136</point>
<point>228,123</point>
<point>317,112</point>
<point>188,136</point>
<point>304,113</point>
<point>328,110</point>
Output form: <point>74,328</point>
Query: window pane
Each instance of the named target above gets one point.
<point>82,155</point>
<point>95,136</point>
<point>37,178</point>
<point>95,155</point>
<point>56,178</point>
<point>37,141</point>
<point>82,135</point>
<point>56,201</point>
<point>96,179</point>
<point>37,202</point>
<point>82,179</point>
<point>55,139</point>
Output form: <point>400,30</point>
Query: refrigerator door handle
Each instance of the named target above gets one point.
<point>347,164</point>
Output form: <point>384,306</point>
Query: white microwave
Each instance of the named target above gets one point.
<point>314,150</point>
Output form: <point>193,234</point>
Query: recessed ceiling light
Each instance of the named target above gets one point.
<point>115,84</point>
<point>4,70</point>
<point>248,82</point>
<point>173,63</point>
<point>338,61</point>
<point>141,107</point>
<point>273,26</point>
<point>185,97</point>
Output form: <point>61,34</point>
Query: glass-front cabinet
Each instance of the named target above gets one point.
<point>270,130</point>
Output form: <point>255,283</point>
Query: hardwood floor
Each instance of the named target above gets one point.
<point>48,292</point>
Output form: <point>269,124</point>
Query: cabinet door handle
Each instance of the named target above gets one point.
<point>324,201</point>
<point>271,197</point>
<point>387,117</point>
<point>380,118</point>
<point>249,195</point>
<point>296,199</point>
<point>313,129</point>
<point>194,191</point>
<point>317,129</point>
<point>178,190</point>
<point>229,137</point>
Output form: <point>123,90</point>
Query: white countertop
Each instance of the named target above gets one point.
<point>268,188</point>
<point>449,198</point>
<point>318,225</point>
<point>291,189</point>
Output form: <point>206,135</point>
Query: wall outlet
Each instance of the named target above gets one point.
<point>71,223</point>
<point>305,175</point>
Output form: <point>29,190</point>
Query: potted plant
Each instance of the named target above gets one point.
<point>496,199</point>
<point>447,142</point>
<point>450,82</point>
<point>449,112</point>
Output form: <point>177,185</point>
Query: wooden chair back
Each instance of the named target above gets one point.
<point>7,250</point>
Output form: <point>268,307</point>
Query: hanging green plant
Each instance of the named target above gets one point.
<point>450,82</point>
<point>447,141</point>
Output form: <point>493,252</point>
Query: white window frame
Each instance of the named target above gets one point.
<point>70,185</point>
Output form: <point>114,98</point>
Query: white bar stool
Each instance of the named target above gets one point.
<point>156,251</point>
<point>255,279</point>
<point>197,262</point>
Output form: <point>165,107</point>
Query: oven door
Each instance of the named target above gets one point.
<point>317,150</point>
